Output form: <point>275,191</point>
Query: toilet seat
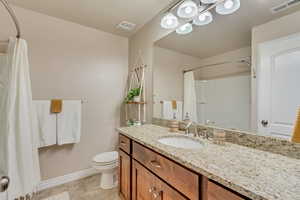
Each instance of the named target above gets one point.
<point>105,164</point>
<point>107,158</point>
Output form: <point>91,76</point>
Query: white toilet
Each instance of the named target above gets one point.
<point>107,164</point>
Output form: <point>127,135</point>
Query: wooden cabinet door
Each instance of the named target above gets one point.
<point>124,176</point>
<point>146,186</point>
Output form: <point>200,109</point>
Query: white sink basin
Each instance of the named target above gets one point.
<point>181,142</point>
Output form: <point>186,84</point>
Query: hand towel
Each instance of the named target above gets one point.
<point>167,111</point>
<point>56,106</point>
<point>46,123</point>
<point>296,135</point>
<point>69,123</point>
<point>174,105</point>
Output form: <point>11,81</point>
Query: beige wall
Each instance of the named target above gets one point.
<point>143,41</point>
<point>281,27</point>
<point>72,61</point>
<point>168,69</point>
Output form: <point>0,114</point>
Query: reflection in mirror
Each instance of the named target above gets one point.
<point>222,94</point>
<point>236,72</point>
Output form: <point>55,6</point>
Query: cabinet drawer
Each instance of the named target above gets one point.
<point>213,191</point>
<point>179,177</point>
<point>124,144</point>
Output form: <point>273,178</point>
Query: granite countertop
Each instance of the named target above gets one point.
<point>253,173</point>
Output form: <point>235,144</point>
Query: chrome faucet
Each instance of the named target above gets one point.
<point>187,128</point>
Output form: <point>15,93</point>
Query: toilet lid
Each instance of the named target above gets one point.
<point>107,157</point>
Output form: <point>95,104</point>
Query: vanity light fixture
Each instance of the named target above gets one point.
<point>188,9</point>
<point>184,29</point>
<point>196,12</point>
<point>208,1</point>
<point>228,7</point>
<point>203,19</point>
<point>169,21</point>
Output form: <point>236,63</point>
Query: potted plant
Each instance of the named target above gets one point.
<point>133,95</point>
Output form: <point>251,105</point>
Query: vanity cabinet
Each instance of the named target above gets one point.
<point>124,168</point>
<point>146,175</point>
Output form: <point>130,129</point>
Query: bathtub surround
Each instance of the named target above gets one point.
<point>251,140</point>
<point>70,61</point>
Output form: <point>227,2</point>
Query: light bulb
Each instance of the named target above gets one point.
<point>169,21</point>
<point>228,4</point>
<point>202,17</point>
<point>188,10</point>
<point>228,7</point>
<point>184,29</point>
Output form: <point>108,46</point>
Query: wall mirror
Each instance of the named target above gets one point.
<point>238,71</point>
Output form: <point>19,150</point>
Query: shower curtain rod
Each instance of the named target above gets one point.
<point>13,16</point>
<point>240,60</point>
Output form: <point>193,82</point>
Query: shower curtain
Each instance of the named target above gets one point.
<point>18,123</point>
<point>190,100</point>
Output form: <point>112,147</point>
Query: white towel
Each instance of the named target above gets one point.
<point>46,123</point>
<point>168,111</point>
<point>69,123</point>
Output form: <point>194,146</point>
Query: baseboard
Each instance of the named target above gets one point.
<point>53,182</point>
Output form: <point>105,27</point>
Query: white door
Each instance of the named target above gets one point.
<point>278,76</point>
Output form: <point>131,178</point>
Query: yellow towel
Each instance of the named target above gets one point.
<point>296,135</point>
<point>56,106</point>
<point>174,105</point>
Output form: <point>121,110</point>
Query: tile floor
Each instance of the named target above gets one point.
<point>84,189</point>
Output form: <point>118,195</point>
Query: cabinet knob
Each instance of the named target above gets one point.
<point>154,192</point>
<point>157,194</point>
<point>151,190</point>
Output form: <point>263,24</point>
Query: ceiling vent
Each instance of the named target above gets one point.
<point>127,26</point>
<point>284,6</point>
